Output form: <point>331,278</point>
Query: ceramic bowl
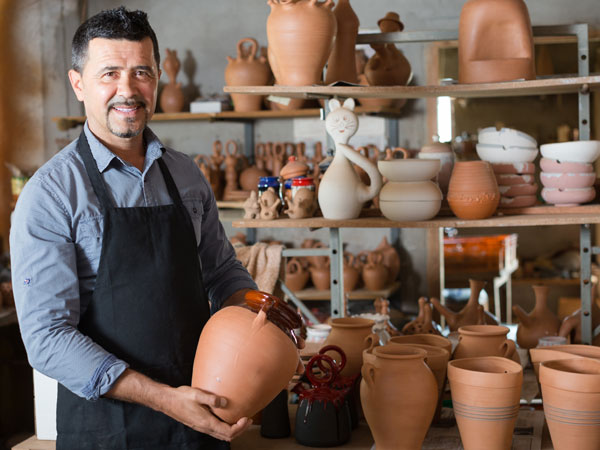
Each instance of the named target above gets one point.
<point>409,169</point>
<point>513,168</point>
<point>554,166</point>
<point>410,201</point>
<point>514,179</point>
<point>407,211</point>
<point>500,154</point>
<point>567,180</point>
<point>517,190</point>
<point>575,151</point>
<point>568,197</point>
<point>522,201</point>
<point>506,137</point>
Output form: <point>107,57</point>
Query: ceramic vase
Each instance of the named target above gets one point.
<point>321,277</point>
<point>247,69</point>
<point>296,275</point>
<point>349,334</point>
<point>399,395</point>
<point>473,191</point>
<point>341,65</point>
<point>571,392</point>
<point>485,395</point>
<point>171,97</point>
<point>484,340</point>
<point>351,272</point>
<point>495,42</point>
<point>538,323</point>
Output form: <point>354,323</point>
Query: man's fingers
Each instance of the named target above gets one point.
<point>208,399</point>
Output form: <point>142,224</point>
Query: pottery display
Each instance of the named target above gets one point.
<point>495,42</point>
<point>399,395</point>
<point>426,339</point>
<point>374,273</point>
<point>473,191</point>
<point>484,340</point>
<point>486,395</point>
<point>583,152</point>
<point>540,322</point>
<point>571,392</point>
<point>341,193</point>
<point>423,323</point>
<point>171,96</point>
<point>566,351</point>
<point>247,69</point>
<point>444,153</point>
<point>341,65</point>
<point>349,334</point>
<point>296,275</point>
<point>227,365</point>
<point>391,259</point>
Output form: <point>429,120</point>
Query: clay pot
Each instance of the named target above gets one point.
<point>424,323</point>
<point>490,51</point>
<point>485,395</point>
<point>171,97</point>
<point>374,273</point>
<point>426,339</point>
<point>399,395</point>
<point>573,351</point>
<point>321,277</point>
<point>471,314</point>
<point>341,64</point>
<point>296,276</point>
<point>230,363</point>
<point>571,325</point>
<point>248,69</point>
<point>349,334</point>
<point>571,392</point>
<point>539,323</point>
<point>391,259</point>
<point>351,272</point>
<point>484,340</point>
<point>473,192</point>
<point>298,57</point>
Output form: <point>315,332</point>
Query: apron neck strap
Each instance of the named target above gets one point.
<point>171,186</point>
<point>83,147</point>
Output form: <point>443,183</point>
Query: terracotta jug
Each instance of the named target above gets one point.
<point>230,361</point>
<point>349,334</point>
<point>495,42</point>
<point>470,314</point>
<point>473,191</point>
<point>485,395</point>
<point>423,324</point>
<point>171,97</point>
<point>341,193</point>
<point>571,392</point>
<point>296,276</point>
<point>374,273</point>
<point>539,323</point>
<point>391,259</point>
<point>351,272</point>
<point>399,396</point>
<point>484,340</point>
<point>341,65</point>
<point>321,276</point>
<point>247,69</point>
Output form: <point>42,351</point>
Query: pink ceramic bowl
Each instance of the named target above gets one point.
<point>518,190</point>
<point>567,180</point>
<point>555,166</point>
<point>523,201</point>
<point>568,197</point>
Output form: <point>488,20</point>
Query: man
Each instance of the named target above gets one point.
<point>115,244</point>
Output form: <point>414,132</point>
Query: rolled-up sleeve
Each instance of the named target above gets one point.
<point>46,290</point>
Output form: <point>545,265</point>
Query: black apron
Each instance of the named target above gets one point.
<point>148,308</point>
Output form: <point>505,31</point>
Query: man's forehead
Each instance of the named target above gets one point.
<point>103,48</point>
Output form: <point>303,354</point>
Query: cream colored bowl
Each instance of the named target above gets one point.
<point>575,151</point>
<point>409,169</point>
<point>500,154</point>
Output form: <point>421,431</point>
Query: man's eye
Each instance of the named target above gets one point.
<point>110,74</point>
<point>142,74</point>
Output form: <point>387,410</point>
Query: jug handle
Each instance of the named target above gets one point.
<point>231,143</point>
<point>368,372</point>
<point>364,192</point>
<point>510,348</point>
<point>253,48</point>
<point>328,374</point>
<point>371,341</point>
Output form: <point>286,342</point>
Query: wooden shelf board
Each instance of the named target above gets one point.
<point>505,89</point>
<point>358,294</point>
<point>546,281</point>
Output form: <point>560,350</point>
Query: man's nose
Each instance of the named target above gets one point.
<point>126,86</point>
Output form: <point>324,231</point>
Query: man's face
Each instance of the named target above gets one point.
<point>118,86</point>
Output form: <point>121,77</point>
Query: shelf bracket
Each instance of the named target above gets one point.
<point>586,251</point>
<point>336,255</point>
<point>299,304</point>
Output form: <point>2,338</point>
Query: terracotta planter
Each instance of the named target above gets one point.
<point>342,63</point>
<point>572,351</point>
<point>399,395</point>
<point>473,192</point>
<point>426,339</point>
<point>171,97</point>
<point>349,334</point>
<point>485,396</point>
<point>571,392</point>
<point>296,276</point>
<point>539,323</point>
<point>484,340</point>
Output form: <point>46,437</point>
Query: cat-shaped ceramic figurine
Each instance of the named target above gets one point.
<point>341,193</point>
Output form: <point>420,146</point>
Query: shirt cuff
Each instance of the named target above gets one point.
<point>229,289</point>
<point>104,377</point>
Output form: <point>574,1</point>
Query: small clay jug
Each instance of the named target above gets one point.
<point>296,275</point>
<point>423,324</point>
<point>470,314</point>
<point>351,272</point>
<point>321,276</point>
<point>484,340</point>
<point>349,334</point>
<point>391,259</point>
<point>171,97</point>
<point>538,323</point>
<point>374,273</point>
<point>341,64</point>
<point>473,191</point>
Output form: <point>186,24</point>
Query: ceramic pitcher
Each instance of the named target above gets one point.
<point>538,323</point>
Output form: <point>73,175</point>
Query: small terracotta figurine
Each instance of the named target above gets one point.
<point>251,206</point>
<point>269,204</point>
<point>423,324</point>
<point>171,97</point>
<point>303,204</point>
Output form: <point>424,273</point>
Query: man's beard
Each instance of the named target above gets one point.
<point>132,130</point>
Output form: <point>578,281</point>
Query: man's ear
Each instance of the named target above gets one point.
<point>76,83</point>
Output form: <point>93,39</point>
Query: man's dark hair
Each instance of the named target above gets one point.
<point>116,23</point>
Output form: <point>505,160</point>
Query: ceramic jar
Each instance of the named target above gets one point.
<point>247,69</point>
<point>484,340</point>
<point>296,275</point>
<point>538,323</point>
<point>473,191</point>
<point>349,334</point>
<point>341,65</point>
<point>571,392</point>
<point>391,259</point>
<point>351,272</point>
<point>321,277</point>
<point>374,272</point>
<point>398,393</point>
<point>486,393</point>
<point>171,96</point>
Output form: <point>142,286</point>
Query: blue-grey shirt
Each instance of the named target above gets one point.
<point>56,238</point>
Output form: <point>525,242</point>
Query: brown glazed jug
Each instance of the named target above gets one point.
<point>247,69</point>
<point>470,314</point>
<point>423,324</point>
<point>296,275</point>
<point>473,191</point>
<point>349,334</point>
<point>341,65</point>
<point>171,97</point>
<point>538,323</point>
<point>495,42</point>
<point>398,394</point>
<point>484,340</point>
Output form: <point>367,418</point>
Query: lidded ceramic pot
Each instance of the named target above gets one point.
<point>571,392</point>
<point>485,396</point>
<point>230,359</point>
<point>484,340</point>
<point>349,334</point>
<point>473,191</point>
<point>538,323</point>
<point>398,393</point>
<point>341,65</point>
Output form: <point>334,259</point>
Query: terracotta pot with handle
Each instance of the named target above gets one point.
<point>484,340</point>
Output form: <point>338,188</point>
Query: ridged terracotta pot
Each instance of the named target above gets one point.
<point>572,351</point>
<point>485,396</point>
<point>399,395</point>
<point>473,192</point>
<point>571,393</point>
<point>426,339</point>
<point>349,334</point>
<point>232,361</point>
<point>484,340</point>
<point>540,322</point>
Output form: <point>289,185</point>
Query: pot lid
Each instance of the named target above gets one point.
<point>392,17</point>
<point>293,168</point>
<point>419,191</point>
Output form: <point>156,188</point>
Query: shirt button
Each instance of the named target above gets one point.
<point>194,210</point>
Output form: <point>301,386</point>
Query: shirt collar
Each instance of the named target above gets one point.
<point>103,156</point>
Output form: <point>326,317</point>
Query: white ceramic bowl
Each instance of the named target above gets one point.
<point>500,154</point>
<point>574,151</point>
<point>506,137</point>
<point>409,169</point>
<point>410,211</point>
<point>410,201</point>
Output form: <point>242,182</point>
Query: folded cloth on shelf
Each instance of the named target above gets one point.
<point>263,262</point>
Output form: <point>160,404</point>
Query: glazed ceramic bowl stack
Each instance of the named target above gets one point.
<point>568,174</point>
<point>511,153</point>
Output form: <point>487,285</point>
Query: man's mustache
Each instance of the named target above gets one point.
<point>122,101</point>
